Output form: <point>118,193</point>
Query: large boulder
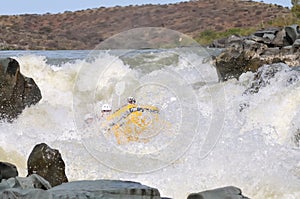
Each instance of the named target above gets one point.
<point>48,163</point>
<point>221,193</point>
<point>231,64</point>
<point>7,170</point>
<point>16,90</point>
<point>265,36</point>
<point>292,33</point>
<point>105,189</point>
<point>37,187</point>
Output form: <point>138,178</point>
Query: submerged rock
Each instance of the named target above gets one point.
<point>263,76</point>
<point>7,170</point>
<point>48,163</point>
<point>16,90</point>
<point>265,73</point>
<point>221,193</point>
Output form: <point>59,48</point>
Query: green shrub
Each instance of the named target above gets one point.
<point>296,11</point>
<point>208,36</point>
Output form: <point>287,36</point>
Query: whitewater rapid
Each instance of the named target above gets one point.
<point>254,149</point>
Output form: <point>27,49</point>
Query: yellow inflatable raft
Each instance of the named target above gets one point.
<point>129,122</point>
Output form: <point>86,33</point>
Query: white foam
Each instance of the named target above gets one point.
<point>254,152</point>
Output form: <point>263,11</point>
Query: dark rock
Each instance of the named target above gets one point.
<point>16,90</point>
<point>296,44</point>
<point>232,64</point>
<point>265,32</point>
<point>265,73</point>
<point>263,76</point>
<point>263,47</point>
<point>7,170</point>
<point>292,33</point>
<point>220,43</point>
<point>221,193</point>
<point>265,39</point>
<point>48,163</point>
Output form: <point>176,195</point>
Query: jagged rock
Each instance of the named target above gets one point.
<point>33,181</point>
<point>296,44</point>
<point>98,189</point>
<point>30,187</point>
<point>7,170</point>
<point>227,42</point>
<point>280,39</point>
<point>105,189</point>
<point>263,47</point>
<point>220,43</point>
<point>231,64</point>
<point>234,38</point>
<point>16,90</point>
<point>292,33</point>
<point>48,163</point>
<point>265,36</point>
<point>221,193</point>
<point>265,73</point>
<point>263,76</point>
<point>271,51</point>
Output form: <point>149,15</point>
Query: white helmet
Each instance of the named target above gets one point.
<point>106,108</point>
<point>131,100</point>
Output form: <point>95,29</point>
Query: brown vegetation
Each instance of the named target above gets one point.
<point>86,28</point>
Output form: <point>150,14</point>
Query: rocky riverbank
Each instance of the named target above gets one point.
<point>47,179</point>
<point>269,46</point>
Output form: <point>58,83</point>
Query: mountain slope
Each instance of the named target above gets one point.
<point>86,28</point>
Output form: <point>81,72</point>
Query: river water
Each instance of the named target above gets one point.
<point>210,134</point>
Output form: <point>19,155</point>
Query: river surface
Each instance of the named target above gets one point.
<point>208,133</point>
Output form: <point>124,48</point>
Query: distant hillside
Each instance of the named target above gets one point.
<point>86,28</point>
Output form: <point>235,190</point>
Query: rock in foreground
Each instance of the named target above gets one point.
<point>16,90</point>
<point>48,163</point>
<point>35,186</point>
<point>221,193</point>
<point>7,170</point>
<point>105,189</point>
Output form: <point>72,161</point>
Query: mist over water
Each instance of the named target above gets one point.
<point>254,149</point>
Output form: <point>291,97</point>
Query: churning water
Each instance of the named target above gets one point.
<point>210,133</point>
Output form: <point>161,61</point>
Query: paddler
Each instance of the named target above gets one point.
<point>128,122</point>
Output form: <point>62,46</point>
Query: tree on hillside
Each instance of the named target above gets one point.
<point>296,8</point>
